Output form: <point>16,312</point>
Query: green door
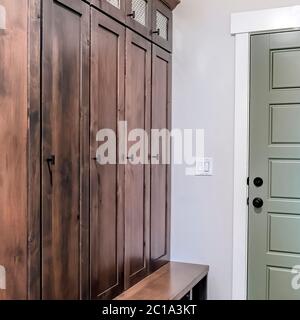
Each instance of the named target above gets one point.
<point>274,199</point>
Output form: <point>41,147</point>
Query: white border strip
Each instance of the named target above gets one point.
<point>241,143</point>
<point>242,25</point>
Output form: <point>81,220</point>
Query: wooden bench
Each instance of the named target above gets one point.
<point>174,281</point>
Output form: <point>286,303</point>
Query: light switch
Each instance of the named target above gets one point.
<point>2,18</point>
<point>2,278</point>
<point>204,167</point>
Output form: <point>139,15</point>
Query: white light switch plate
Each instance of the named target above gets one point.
<point>204,167</point>
<point>2,18</point>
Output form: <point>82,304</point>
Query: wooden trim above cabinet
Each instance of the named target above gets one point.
<point>172,4</point>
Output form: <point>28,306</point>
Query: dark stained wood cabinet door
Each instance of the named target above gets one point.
<point>114,8</point>
<point>64,114</point>
<point>13,162</point>
<point>137,176</point>
<point>106,180</point>
<point>160,172</point>
<point>139,16</point>
<point>162,25</point>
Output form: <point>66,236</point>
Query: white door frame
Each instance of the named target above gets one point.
<point>242,25</point>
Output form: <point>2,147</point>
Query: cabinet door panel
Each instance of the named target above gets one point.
<point>65,31</point>
<point>137,110</point>
<point>139,16</point>
<point>107,108</point>
<point>162,25</point>
<point>114,8</point>
<point>160,172</point>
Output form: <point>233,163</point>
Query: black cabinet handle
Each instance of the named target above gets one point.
<point>156,32</point>
<point>132,15</point>
<point>51,162</point>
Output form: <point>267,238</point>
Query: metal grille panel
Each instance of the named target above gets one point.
<point>115,3</point>
<point>162,25</point>
<point>140,8</point>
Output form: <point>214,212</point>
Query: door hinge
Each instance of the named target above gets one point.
<point>248,181</point>
<point>248,201</point>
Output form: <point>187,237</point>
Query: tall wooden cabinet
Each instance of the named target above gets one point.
<point>93,230</point>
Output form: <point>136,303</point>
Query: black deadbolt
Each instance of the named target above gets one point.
<point>258,203</point>
<point>258,182</point>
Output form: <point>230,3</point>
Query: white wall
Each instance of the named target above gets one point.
<point>203,97</point>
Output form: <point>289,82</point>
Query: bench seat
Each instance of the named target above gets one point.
<point>171,282</point>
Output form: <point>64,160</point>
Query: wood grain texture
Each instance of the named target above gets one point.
<point>107,180</point>
<point>13,141</point>
<point>137,176</point>
<point>160,173</point>
<point>34,148</point>
<point>65,33</point>
<point>171,282</point>
<point>84,246</point>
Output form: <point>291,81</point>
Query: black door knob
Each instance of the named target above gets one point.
<point>258,203</point>
<point>258,182</point>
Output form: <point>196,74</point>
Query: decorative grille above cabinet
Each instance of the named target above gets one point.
<point>140,9</point>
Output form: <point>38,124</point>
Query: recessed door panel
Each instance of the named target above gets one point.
<point>284,124</point>
<point>160,153</point>
<point>285,179</point>
<point>137,114</point>
<point>280,282</point>
<point>278,240</point>
<point>64,30</point>
<point>286,69</point>
<point>107,107</point>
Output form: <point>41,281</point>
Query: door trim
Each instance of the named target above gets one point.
<point>243,24</point>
